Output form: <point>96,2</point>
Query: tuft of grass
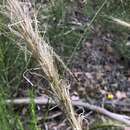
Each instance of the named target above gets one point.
<point>34,122</point>
<point>10,120</point>
<point>23,26</point>
<point>62,35</point>
<point>12,64</point>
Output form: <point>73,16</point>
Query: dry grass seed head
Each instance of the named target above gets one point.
<point>26,26</point>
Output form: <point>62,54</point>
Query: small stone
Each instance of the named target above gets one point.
<point>115,85</point>
<point>121,95</point>
<point>88,44</point>
<point>89,75</point>
<point>99,76</point>
<point>109,49</point>
<point>108,68</point>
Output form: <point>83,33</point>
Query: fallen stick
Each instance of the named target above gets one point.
<point>44,100</point>
<point>119,106</point>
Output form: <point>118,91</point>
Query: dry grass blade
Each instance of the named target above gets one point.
<point>121,22</point>
<point>24,24</point>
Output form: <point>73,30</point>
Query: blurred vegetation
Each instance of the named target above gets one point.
<point>118,9</point>
<point>63,35</point>
<point>60,32</point>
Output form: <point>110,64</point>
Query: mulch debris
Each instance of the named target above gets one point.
<point>98,69</point>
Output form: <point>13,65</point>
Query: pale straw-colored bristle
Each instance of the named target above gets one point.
<point>121,22</point>
<point>24,25</point>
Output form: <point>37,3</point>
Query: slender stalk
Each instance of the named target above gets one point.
<point>24,24</point>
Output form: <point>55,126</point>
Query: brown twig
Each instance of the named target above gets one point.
<point>44,100</point>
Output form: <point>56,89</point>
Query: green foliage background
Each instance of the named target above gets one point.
<point>63,36</point>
